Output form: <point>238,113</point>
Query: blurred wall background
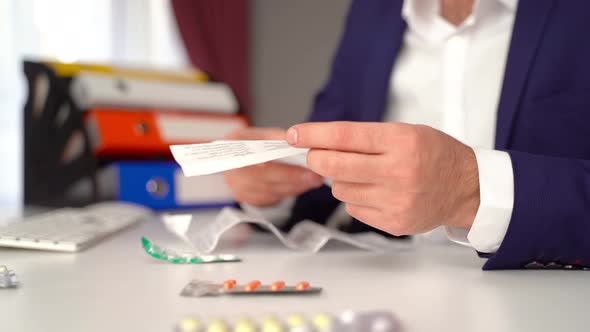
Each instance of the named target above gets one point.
<point>293,43</point>
<point>291,49</point>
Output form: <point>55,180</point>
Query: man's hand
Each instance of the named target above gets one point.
<point>268,183</point>
<point>400,178</point>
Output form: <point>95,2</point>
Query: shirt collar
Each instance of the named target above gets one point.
<point>411,7</point>
<point>422,16</point>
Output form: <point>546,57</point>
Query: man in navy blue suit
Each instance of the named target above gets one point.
<point>472,116</point>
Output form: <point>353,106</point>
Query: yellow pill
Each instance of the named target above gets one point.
<point>217,325</point>
<point>244,325</point>
<point>189,324</point>
<point>322,322</point>
<point>271,324</point>
<point>295,320</point>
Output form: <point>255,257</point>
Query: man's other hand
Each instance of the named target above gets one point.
<point>268,183</point>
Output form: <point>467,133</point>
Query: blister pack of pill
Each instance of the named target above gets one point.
<point>177,257</point>
<point>197,288</point>
<point>348,321</point>
<point>8,278</point>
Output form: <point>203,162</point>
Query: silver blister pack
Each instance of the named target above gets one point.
<point>8,278</point>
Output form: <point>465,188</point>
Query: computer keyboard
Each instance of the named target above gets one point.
<point>71,229</point>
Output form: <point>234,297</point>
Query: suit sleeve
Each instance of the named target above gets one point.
<point>551,215</point>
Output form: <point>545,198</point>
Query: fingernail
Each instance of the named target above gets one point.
<point>292,136</point>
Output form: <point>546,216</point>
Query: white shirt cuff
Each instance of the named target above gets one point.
<point>496,191</point>
<point>276,214</point>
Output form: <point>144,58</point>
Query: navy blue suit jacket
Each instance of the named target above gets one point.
<point>543,120</point>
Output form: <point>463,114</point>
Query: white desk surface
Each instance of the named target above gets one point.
<point>115,286</point>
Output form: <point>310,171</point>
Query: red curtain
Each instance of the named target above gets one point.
<point>216,36</point>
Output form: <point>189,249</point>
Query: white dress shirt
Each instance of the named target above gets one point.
<point>449,77</point>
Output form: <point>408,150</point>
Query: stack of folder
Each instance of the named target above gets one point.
<point>95,132</point>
